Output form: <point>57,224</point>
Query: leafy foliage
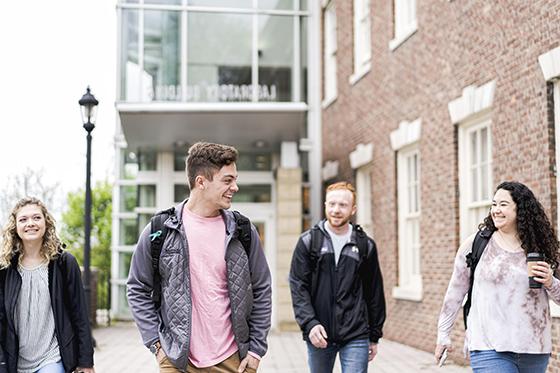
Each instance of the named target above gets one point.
<point>72,233</point>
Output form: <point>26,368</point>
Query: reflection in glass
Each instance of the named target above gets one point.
<point>276,57</point>
<point>146,196</point>
<point>163,2</point>
<point>130,68</point>
<point>129,165</point>
<point>128,232</point>
<point>180,192</point>
<point>162,55</point>
<point>223,3</point>
<point>219,57</point>
<point>179,156</point>
<point>254,162</point>
<point>253,194</point>
<point>147,159</point>
<point>277,4</point>
<point>128,198</point>
<point>303,57</point>
<point>124,264</point>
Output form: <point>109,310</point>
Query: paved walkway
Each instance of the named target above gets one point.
<point>119,350</point>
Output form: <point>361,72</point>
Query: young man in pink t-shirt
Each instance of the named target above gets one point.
<point>215,295</point>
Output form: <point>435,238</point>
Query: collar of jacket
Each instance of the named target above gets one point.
<point>353,238</point>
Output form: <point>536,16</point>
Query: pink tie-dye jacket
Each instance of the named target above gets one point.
<point>505,315</point>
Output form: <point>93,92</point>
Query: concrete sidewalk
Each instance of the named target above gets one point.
<point>119,350</point>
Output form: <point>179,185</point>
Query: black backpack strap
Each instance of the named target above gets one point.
<point>479,244</point>
<point>243,231</point>
<point>158,232</point>
<point>314,254</point>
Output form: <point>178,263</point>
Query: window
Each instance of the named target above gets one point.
<point>408,189</point>
<point>405,21</point>
<point>330,49</point>
<point>405,141</point>
<point>363,196</point>
<point>475,174</point>
<point>471,112</point>
<point>362,40</point>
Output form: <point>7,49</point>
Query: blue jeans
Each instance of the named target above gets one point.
<point>52,368</point>
<point>353,357</point>
<point>508,362</point>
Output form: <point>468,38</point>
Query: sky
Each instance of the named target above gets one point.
<point>51,51</point>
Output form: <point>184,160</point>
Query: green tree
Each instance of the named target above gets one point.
<point>72,233</point>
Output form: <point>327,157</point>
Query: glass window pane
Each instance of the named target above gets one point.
<point>474,185</point>
<point>219,62</point>
<point>143,220</point>
<point>254,162</point>
<point>163,2</point>
<point>124,264</point>
<point>128,232</point>
<point>130,67</point>
<point>179,157</point>
<point>162,53</point>
<point>223,3</point>
<point>181,192</point>
<point>484,192</point>
<point>253,194</point>
<point>277,4</point>
<point>276,57</point>
<point>129,165</point>
<point>484,144</point>
<point>474,148</point>
<point>303,54</point>
<point>128,198</point>
<point>122,305</point>
<point>147,160</point>
<point>146,196</point>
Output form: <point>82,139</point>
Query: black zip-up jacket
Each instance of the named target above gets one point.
<point>348,306</point>
<point>68,303</point>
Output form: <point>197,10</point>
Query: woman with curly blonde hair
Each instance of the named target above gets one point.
<point>44,326</point>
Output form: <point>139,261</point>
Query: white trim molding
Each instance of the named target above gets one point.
<point>362,155</point>
<point>473,100</point>
<point>407,133</point>
<point>550,64</point>
<point>329,170</point>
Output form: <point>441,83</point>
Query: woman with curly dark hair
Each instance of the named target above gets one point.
<point>44,326</point>
<point>509,323</point>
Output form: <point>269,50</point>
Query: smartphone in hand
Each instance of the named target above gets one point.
<point>442,358</point>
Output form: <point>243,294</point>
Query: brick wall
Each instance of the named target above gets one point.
<point>457,44</point>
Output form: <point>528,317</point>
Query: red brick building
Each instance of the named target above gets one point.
<point>427,106</point>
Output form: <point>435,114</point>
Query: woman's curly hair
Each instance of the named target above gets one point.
<point>11,242</point>
<point>533,226</point>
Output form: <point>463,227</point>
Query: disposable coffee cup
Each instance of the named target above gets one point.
<point>532,258</point>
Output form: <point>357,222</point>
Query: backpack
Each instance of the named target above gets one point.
<point>479,244</point>
<point>316,244</point>
<point>159,232</point>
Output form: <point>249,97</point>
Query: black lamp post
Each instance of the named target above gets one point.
<point>88,105</point>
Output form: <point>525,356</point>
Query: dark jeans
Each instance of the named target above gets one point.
<point>353,357</point>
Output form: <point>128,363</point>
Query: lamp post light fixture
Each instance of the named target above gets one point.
<point>88,105</point>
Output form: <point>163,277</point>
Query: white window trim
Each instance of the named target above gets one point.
<point>550,66</point>
<point>330,56</point>
<point>401,35</point>
<point>405,140</point>
<point>477,122</point>
<point>363,66</point>
<point>329,170</point>
<point>474,100</point>
<point>362,155</point>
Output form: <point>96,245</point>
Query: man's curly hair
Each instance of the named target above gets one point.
<point>533,226</point>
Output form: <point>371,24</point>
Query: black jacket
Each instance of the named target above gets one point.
<point>68,303</point>
<point>345,304</point>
